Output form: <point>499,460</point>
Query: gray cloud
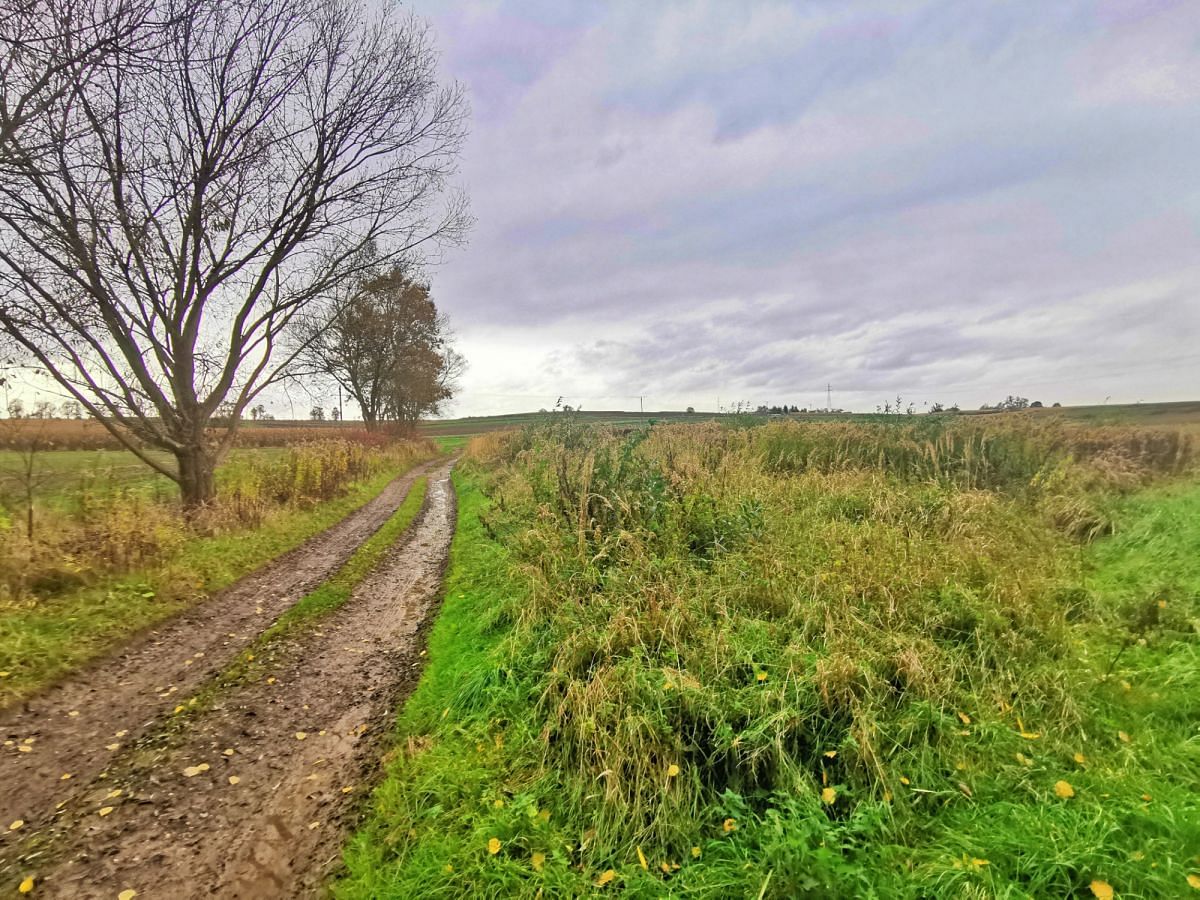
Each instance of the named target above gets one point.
<point>957,200</point>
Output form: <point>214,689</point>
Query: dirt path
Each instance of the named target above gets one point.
<point>249,799</point>
<point>81,724</point>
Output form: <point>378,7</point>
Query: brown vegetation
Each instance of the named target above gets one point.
<point>106,530</point>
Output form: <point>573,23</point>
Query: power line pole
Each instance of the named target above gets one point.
<point>641,406</point>
<point>829,396</point>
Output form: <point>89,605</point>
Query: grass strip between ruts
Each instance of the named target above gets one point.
<point>328,596</point>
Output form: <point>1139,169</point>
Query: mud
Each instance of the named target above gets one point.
<point>83,723</point>
<point>254,795</point>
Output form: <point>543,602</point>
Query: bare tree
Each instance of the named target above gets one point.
<point>388,347</point>
<point>51,47</point>
<point>202,190</point>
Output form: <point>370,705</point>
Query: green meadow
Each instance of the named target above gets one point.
<point>928,658</point>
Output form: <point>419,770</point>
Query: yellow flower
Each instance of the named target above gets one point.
<point>605,877</point>
<point>26,885</point>
<point>1080,758</point>
<point>494,846</point>
<point>538,860</point>
<point>828,796</point>
<point>1064,790</point>
<point>1102,890</point>
<point>696,853</point>
<point>730,825</point>
<point>1194,881</point>
<point>642,859</point>
<point>761,676</point>
<point>672,770</point>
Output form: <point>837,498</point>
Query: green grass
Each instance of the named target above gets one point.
<point>62,474</point>
<point>451,443</point>
<point>578,657</point>
<point>446,786</point>
<point>41,641</point>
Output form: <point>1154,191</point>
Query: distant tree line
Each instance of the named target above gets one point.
<point>45,409</point>
<point>1012,402</point>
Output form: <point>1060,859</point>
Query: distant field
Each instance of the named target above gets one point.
<point>1183,413</point>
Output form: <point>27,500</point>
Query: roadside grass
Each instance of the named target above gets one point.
<point>666,667</point>
<point>42,641</point>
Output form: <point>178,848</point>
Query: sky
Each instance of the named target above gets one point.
<point>686,204</point>
<point>709,203</point>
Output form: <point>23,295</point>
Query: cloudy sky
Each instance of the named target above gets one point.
<point>751,200</point>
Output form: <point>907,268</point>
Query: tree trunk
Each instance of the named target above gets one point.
<point>197,484</point>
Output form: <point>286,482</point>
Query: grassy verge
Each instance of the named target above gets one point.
<point>664,725</point>
<point>41,642</point>
<point>446,786</point>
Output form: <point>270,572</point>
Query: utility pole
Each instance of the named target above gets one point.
<point>339,403</point>
<point>829,397</point>
<point>641,406</point>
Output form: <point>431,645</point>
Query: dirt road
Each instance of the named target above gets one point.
<point>246,799</point>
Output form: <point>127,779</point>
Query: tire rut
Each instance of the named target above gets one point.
<point>80,725</point>
<point>252,798</point>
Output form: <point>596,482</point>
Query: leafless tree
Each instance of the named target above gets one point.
<point>166,219</point>
<point>50,47</point>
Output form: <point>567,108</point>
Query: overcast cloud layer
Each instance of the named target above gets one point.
<point>950,201</point>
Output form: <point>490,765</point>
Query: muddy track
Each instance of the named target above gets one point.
<point>252,796</point>
<point>82,724</point>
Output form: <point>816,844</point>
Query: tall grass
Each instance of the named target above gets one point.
<point>107,529</point>
<point>797,661</point>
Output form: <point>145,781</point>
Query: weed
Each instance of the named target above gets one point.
<point>766,662</point>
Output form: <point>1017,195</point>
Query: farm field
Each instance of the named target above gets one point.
<point>1185,414</point>
<point>946,657</point>
<point>105,552</point>
<point>63,473</point>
